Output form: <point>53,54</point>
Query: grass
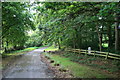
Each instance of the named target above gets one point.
<point>78,70</point>
<point>18,52</point>
<point>51,48</point>
<point>27,49</point>
<point>111,66</point>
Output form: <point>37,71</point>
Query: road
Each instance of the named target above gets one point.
<point>29,66</point>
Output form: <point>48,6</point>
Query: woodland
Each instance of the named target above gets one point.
<point>76,25</point>
<point>59,34</point>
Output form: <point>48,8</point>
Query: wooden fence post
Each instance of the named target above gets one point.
<point>94,53</point>
<point>86,53</point>
<point>74,51</point>
<point>107,55</point>
<point>79,52</point>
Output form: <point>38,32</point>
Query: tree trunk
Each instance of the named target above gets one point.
<point>59,40</point>
<point>73,43</point>
<point>117,34</point>
<point>100,38</point>
<point>6,47</point>
<point>15,47</point>
<point>110,37</point>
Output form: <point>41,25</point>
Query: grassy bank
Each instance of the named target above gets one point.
<point>18,52</point>
<point>109,65</point>
<point>79,70</point>
<point>51,48</point>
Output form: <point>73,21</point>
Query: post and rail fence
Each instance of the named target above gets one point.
<point>95,53</point>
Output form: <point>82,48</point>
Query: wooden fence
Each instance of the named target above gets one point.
<point>95,53</point>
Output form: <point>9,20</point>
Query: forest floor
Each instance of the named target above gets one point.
<point>29,65</point>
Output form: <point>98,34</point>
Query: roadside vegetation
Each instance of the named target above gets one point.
<point>84,66</point>
<point>109,65</point>
<point>18,52</point>
<point>51,48</point>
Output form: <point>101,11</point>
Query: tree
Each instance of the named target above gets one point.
<point>15,21</point>
<point>76,25</point>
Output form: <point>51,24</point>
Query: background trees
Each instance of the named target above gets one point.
<point>65,24</point>
<point>80,25</point>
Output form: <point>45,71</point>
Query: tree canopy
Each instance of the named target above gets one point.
<point>15,21</point>
<point>79,25</point>
<point>65,24</point>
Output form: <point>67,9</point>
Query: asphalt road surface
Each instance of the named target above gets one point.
<point>29,66</point>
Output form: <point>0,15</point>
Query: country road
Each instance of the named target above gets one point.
<point>29,65</point>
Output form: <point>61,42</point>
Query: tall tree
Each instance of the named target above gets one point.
<point>15,23</point>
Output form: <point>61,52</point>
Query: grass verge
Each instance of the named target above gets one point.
<point>51,48</point>
<point>78,70</point>
<point>18,52</point>
<point>109,65</point>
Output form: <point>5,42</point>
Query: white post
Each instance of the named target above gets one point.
<point>89,49</point>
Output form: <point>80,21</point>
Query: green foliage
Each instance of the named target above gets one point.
<point>74,24</point>
<point>16,21</point>
<point>34,39</point>
<point>69,24</point>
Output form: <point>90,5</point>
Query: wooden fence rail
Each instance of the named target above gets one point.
<point>95,53</point>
